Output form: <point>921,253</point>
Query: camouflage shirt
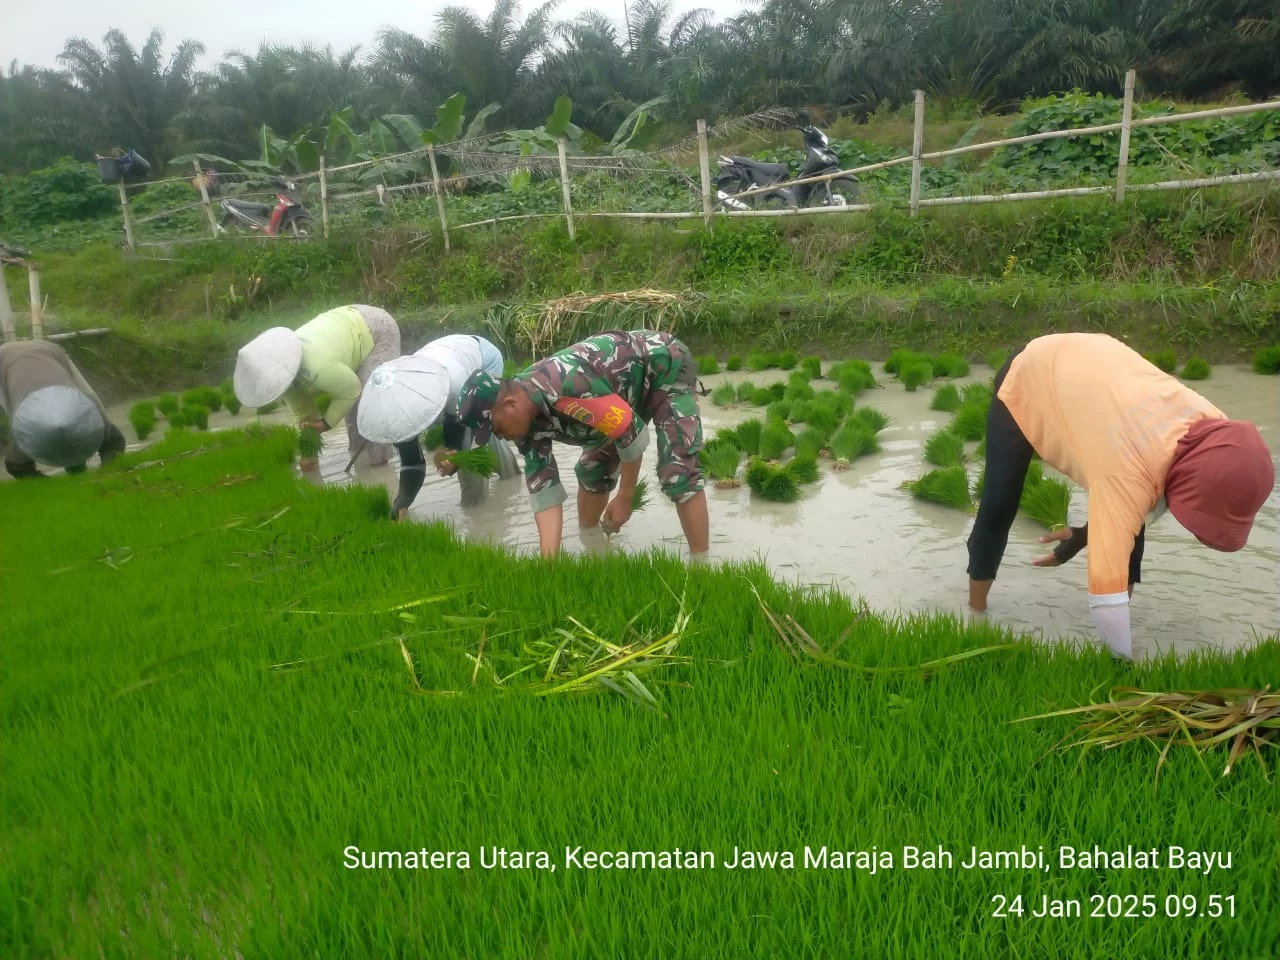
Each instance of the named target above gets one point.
<point>592,394</point>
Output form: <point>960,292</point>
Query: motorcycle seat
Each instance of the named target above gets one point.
<point>768,171</point>
<point>249,207</point>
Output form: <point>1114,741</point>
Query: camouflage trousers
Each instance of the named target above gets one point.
<point>671,410</point>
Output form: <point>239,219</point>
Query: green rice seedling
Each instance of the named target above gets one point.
<point>946,398</point>
<point>745,390</point>
<point>758,472</point>
<point>778,410</point>
<point>433,439</point>
<point>1267,360</point>
<point>310,443</point>
<point>1035,473</point>
<point>798,381</point>
<point>748,434</point>
<point>950,365</point>
<point>322,402</point>
<point>479,461</point>
<point>1166,359</point>
<point>804,469</point>
<point>812,366</point>
<point>177,421</point>
<point>196,415</point>
<point>775,440</point>
<point>168,404</point>
<point>854,381</point>
<point>902,357</point>
<point>758,360</point>
<point>721,464</point>
<point>779,390</point>
<point>944,449</point>
<point>948,486</point>
<point>970,421</point>
<point>855,439</point>
<point>802,393</point>
<point>724,396</point>
<point>231,402</point>
<point>837,401</point>
<point>979,485</point>
<point>876,419</point>
<point>981,449</point>
<point>708,365</point>
<point>143,417</point>
<point>725,436</point>
<point>763,396</point>
<point>780,486</point>
<point>811,443</point>
<point>639,496</point>
<point>203,397</point>
<point>976,393</point>
<point>1196,369</point>
<point>800,411</point>
<point>997,358</point>
<point>733,364</point>
<point>1046,502</point>
<point>823,418</point>
<point>916,374</point>
<point>788,359</point>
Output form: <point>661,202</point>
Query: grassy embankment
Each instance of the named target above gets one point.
<point>169,789</point>
<point>1200,272</point>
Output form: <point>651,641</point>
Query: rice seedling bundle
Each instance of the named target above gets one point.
<point>854,439</point>
<point>733,364</point>
<point>748,434</point>
<point>168,404</point>
<point>980,484</point>
<point>778,410</point>
<point>798,388</point>
<point>946,399</point>
<point>479,461</point>
<point>724,396</point>
<point>836,401</point>
<point>823,418</point>
<point>915,374</point>
<point>177,421</point>
<point>1196,369</point>
<point>725,437</point>
<point>1267,360</point>
<point>206,397</point>
<point>812,367</point>
<point>758,471</point>
<point>800,411</point>
<point>433,439</point>
<point>874,418</point>
<point>810,442</point>
<point>901,358</point>
<point>231,403</point>
<point>763,396</point>
<point>196,415</point>
<point>970,421</point>
<point>779,390</point>
<point>639,496</point>
<point>745,390</point>
<point>997,358</point>
<point>310,443</point>
<point>1166,359</point>
<point>950,365</point>
<point>721,464</point>
<point>948,486</point>
<point>1046,500</point>
<point>788,359</point>
<point>976,393</point>
<point>708,365</point>
<point>322,402</point>
<point>944,449</point>
<point>803,469</point>
<point>775,440</point>
<point>757,361</point>
<point>142,416</point>
<point>772,483</point>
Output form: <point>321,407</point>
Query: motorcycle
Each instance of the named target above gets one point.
<point>741,174</point>
<point>288,216</point>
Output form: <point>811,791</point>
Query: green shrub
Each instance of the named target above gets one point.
<point>203,397</point>
<point>779,390</point>
<point>979,393</point>
<point>177,421</point>
<point>946,398</point>
<point>721,462</point>
<point>1196,369</point>
<point>143,417</point>
<point>762,397</point>
<point>1165,359</point>
<point>734,363</point>
<point>853,381</point>
<point>812,366</point>
<point>772,483</point>
<point>855,439</point>
<point>1267,360</point>
<point>945,449</point>
<point>707,365</point>
<point>916,373</point>
<point>800,410</point>
<point>950,365</point>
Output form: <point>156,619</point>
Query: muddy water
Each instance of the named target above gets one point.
<point>859,531</point>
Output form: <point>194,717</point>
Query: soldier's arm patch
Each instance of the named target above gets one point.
<point>610,415</point>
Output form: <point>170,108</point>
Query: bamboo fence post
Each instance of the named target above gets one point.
<point>704,165</point>
<point>435,182</point>
<point>204,198</point>
<point>37,302</point>
<point>324,199</point>
<point>128,218</point>
<point>1126,119</point>
<point>6,309</point>
<point>917,148</point>
<point>564,185</point>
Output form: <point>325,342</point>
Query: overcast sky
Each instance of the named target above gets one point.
<point>34,32</point>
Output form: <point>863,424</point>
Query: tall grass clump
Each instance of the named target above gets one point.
<point>1166,359</point>
<point>946,399</point>
<point>708,365</point>
<point>854,439</point>
<point>854,381</point>
<point>1267,360</point>
<point>177,421</point>
<point>721,464</point>
<point>873,417</point>
<point>970,421</point>
<point>948,486</point>
<point>775,440</point>
<point>1196,368</point>
<point>1046,500</point>
<point>944,449</point>
<point>950,365</point>
<point>142,416</point>
<point>733,364</point>
<point>748,434</point>
<point>812,366</point>
<point>196,415</point>
<point>778,389</point>
<point>788,359</point>
<point>724,396</point>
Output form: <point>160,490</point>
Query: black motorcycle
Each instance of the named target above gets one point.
<point>287,216</point>
<point>741,174</point>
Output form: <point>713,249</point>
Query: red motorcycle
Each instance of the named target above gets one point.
<point>288,217</point>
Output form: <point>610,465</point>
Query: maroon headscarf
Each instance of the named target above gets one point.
<point>1220,477</point>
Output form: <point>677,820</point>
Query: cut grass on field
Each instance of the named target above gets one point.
<point>810,442</point>
<point>948,486</point>
<point>901,358</point>
<point>310,442</point>
<point>231,699</point>
<point>746,390</point>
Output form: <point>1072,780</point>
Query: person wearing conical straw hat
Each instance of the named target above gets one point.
<point>1138,440</point>
<point>55,417</point>
<point>407,396</point>
<point>333,353</point>
<point>601,395</point>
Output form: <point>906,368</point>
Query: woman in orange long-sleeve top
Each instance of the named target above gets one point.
<point>1137,440</point>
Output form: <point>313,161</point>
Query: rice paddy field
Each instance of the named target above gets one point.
<point>247,716</point>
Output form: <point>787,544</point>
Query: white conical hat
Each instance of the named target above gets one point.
<point>459,354</point>
<point>403,398</point>
<point>59,426</point>
<point>266,365</point>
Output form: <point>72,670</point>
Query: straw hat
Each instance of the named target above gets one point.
<point>266,366</point>
<point>403,398</point>
<point>59,426</point>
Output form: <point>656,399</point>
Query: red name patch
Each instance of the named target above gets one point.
<point>610,415</point>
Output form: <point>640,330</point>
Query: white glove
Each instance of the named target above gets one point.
<point>1110,614</point>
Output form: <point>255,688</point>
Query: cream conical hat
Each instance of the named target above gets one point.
<point>266,365</point>
<point>403,398</point>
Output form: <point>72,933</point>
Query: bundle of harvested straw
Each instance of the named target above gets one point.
<point>557,323</point>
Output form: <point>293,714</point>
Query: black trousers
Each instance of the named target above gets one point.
<point>413,463</point>
<point>1009,456</point>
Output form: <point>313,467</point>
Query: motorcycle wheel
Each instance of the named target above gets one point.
<point>843,192</point>
<point>302,227</point>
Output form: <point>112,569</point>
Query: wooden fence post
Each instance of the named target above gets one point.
<point>1126,118</point>
<point>704,163</point>
<point>6,309</point>
<point>435,183</point>
<point>564,185</point>
<point>37,301</point>
<point>128,219</point>
<point>204,198</point>
<point>324,199</point>
<point>917,148</point>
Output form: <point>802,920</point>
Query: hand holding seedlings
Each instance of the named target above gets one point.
<point>444,466</point>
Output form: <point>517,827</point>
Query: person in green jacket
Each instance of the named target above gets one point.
<point>332,354</point>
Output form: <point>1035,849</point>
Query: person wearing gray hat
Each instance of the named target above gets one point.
<point>54,416</point>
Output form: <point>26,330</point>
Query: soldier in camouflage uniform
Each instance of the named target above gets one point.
<point>600,395</point>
